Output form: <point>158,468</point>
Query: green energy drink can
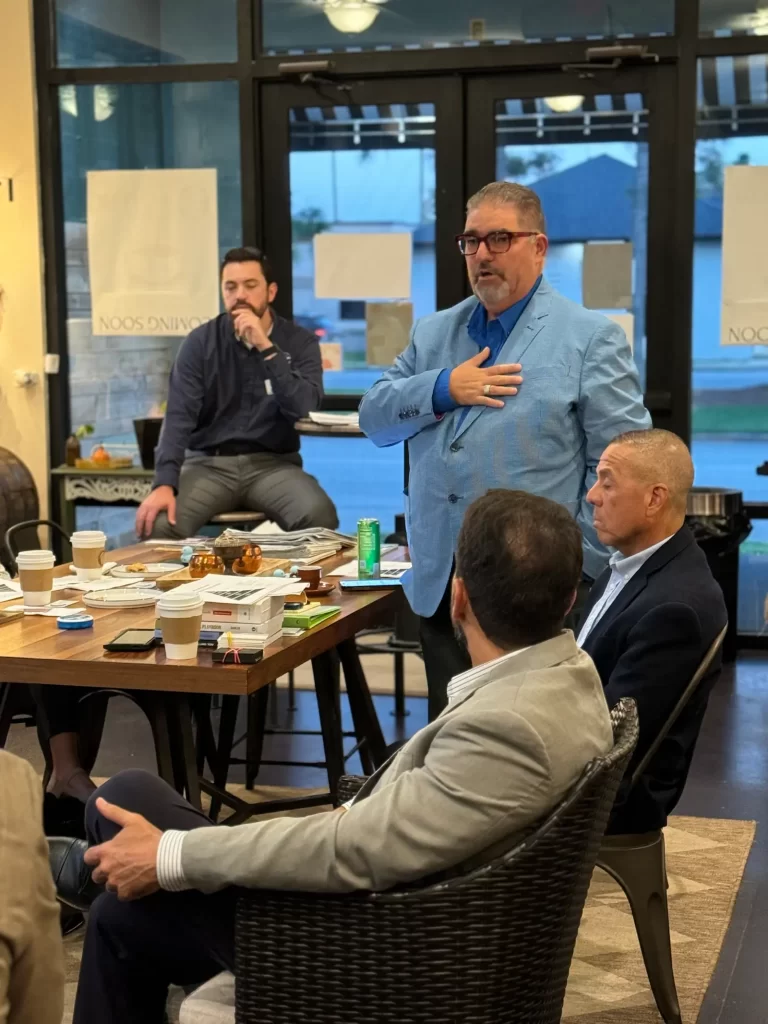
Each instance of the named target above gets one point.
<point>368,549</point>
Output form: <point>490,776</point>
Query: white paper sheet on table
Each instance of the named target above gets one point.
<point>91,586</point>
<point>56,610</point>
<point>393,570</point>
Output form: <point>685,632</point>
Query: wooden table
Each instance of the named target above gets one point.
<point>34,650</point>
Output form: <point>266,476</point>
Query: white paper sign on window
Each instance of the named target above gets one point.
<point>744,315</point>
<point>363,266</point>
<point>626,322</point>
<point>153,251</point>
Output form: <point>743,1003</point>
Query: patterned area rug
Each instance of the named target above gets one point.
<point>608,984</point>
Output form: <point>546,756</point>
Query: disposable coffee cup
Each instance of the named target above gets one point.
<point>36,577</point>
<point>179,618</point>
<point>88,553</point>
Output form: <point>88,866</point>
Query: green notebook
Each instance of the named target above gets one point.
<point>309,617</point>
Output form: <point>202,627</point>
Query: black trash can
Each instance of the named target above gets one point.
<point>719,523</point>
<point>147,438</point>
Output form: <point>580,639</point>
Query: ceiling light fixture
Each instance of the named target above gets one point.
<point>563,104</point>
<point>351,16</point>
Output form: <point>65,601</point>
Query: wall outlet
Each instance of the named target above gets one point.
<point>26,378</point>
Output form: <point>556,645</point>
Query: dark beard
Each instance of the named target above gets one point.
<point>246,305</point>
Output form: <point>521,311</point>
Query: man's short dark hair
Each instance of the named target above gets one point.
<point>519,557</point>
<point>248,254</point>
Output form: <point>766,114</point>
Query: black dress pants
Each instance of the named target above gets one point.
<point>134,951</point>
<point>444,657</point>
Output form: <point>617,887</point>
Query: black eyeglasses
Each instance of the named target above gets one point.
<point>495,241</point>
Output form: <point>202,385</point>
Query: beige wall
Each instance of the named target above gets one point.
<point>23,411</point>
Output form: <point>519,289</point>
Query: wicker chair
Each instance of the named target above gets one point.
<point>493,946</point>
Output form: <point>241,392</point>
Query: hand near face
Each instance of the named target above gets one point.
<point>127,864</point>
<point>248,325</point>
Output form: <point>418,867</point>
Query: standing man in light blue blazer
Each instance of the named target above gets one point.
<point>517,387</point>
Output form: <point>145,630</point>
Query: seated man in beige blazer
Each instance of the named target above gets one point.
<point>31,954</point>
<point>520,726</point>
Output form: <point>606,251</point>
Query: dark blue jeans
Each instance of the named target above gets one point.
<point>134,951</point>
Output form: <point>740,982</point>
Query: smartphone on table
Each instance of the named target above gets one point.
<point>381,583</point>
<point>133,640</point>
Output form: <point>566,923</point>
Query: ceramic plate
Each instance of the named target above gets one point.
<point>127,598</point>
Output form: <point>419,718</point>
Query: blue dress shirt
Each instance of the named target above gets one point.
<point>484,332</point>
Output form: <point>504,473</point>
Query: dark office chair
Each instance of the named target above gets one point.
<point>638,864</point>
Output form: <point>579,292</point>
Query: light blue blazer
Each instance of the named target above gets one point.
<point>580,389</point>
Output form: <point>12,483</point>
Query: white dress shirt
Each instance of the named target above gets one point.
<point>170,872</point>
<point>623,568</point>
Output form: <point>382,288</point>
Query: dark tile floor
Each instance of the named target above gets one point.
<point>729,779</point>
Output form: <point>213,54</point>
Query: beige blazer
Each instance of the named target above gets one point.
<point>491,765</point>
<point>31,954</point>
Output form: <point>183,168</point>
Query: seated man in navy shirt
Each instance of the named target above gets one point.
<point>237,387</point>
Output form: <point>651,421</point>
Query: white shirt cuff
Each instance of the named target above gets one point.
<point>170,873</point>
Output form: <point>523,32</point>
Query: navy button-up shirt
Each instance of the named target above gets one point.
<point>223,392</point>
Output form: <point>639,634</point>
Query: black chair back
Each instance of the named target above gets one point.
<point>24,537</point>
<point>493,946</point>
<point>687,694</point>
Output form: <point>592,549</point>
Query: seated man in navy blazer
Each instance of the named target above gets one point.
<point>653,614</point>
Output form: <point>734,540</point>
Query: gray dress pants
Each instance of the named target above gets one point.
<point>259,482</point>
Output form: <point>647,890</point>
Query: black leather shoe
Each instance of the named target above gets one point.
<point>71,875</point>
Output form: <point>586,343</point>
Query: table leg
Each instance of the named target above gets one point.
<point>373,749</point>
<point>254,742</point>
<point>155,708</point>
<point>220,770</point>
<point>188,750</point>
<point>325,671</point>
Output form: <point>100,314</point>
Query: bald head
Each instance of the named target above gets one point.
<point>659,456</point>
<point>641,494</point>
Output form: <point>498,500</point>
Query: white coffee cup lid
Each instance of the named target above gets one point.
<point>34,559</point>
<point>89,537</point>
<point>175,602</point>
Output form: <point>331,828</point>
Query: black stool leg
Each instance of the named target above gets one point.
<point>400,710</point>
<point>638,864</point>
<point>291,691</point>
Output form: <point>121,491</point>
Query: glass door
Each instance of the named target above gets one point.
<point>591,147</point>
<point>348,164</point>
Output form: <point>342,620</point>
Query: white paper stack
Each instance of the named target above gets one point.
<point>300,546</point>
<point>336,419</point>
<point>243,638</point>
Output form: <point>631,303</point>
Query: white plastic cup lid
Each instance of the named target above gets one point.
<point>175,602</point>
<point>88,538</point>
<point>35,559</point>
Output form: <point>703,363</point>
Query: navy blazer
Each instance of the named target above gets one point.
<point>648,645</point>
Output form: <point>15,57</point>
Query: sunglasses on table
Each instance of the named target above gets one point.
<point>495,241</point>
